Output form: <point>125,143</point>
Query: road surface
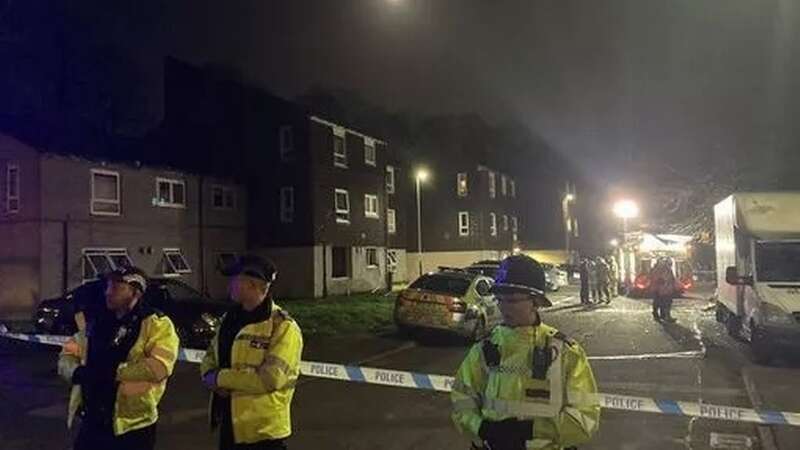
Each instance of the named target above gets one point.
<point>696,361</point>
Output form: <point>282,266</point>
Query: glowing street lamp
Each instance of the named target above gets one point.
<point>421,176</point>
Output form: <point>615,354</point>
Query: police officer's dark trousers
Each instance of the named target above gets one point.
<point>96,436</point>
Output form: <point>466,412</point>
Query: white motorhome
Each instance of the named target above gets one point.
<point>758,269</point>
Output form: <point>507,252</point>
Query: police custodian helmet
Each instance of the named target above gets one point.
<point>521,274</point>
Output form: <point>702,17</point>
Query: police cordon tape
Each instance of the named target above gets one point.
<point>442,383</point>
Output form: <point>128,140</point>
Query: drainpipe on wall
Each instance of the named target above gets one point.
<point>65,255</point>
<point>201,237</point>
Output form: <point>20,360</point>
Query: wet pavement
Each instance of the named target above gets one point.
<point>692,360</point>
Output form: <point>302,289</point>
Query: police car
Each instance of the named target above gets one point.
<point>452,300</point>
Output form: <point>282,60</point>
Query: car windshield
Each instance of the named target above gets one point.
<point>778,261</point>
<point>182,293</point>
<point>442,284</point>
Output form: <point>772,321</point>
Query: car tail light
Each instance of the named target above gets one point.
<point>457,306</point>
<point>687,284</point>
<point>642,282</point>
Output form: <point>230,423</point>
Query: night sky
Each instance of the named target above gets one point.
<point>602,82</point>
<point>632,92</point>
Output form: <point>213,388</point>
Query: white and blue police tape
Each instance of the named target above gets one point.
<point>442,383</point>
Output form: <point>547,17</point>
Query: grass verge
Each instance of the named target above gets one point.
<point>354,314</point>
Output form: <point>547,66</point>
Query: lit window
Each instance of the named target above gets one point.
<point>514,224</point>
<point>371,206</point>
<point>504,185</point>
<point>512,187</point>
<point>462,184</point>
<point>463,223</point>
<point>493,224</point>
<point>492,185</point>
<point>505,222</point>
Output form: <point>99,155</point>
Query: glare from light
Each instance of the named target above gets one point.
<point>570,197</point>
<point>614,243</point>
<point>626,209</point>
<point>422,175</point>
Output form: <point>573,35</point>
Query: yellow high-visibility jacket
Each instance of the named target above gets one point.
<point>142,377</point>
<point>265,365</point>
<point>562,404</point>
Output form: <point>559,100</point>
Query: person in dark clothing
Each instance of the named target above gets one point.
<point>584,271</point>
<point>662,284</point>
<point>109,363</point>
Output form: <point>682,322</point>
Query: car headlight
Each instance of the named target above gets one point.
<point>773,315</point>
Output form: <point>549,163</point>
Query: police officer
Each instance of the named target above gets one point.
<point>119,368</point>
<point>527,385</point>
<point>253,362</point>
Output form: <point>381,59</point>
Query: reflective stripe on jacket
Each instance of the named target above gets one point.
<point>142,377</point>
<point>563,405</point>
<point>265,365</point>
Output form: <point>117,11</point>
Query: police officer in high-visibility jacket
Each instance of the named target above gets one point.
<point>526,386</point>
<point>119,368</point>
<point>253,363</point>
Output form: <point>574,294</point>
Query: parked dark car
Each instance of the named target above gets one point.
<point>196,317</point>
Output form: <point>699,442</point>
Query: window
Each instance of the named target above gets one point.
<point>174,263</point>
<point>391,260</point>
<point>340,262</point>
<point>493,224</point>
<point>342,205</point>
<point>170,193</point>
<point>461,184</point>
<point>463,223</point>
<point>391,221</point>
<point>389,180</point>
<point>223,197</point>
<point>505,222</point>
<point>339,148</point>
<point>492,185</point>
<point>370,155</point>
<point>514,224</point>
<point>287,204</point>
<point>100,261</point>
<point>504,185</point>
<point>12,188</point>
<point>512,187</point>
<point>226,260</point>
<point>371,255</point>
<point>371,206</point>
<point>286,142</point>
<point>105,193</point>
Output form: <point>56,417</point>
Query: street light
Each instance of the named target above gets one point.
<point>420,177</point>
<point>626,209</point>
<point>614,243</point>
<point>565,201</point>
